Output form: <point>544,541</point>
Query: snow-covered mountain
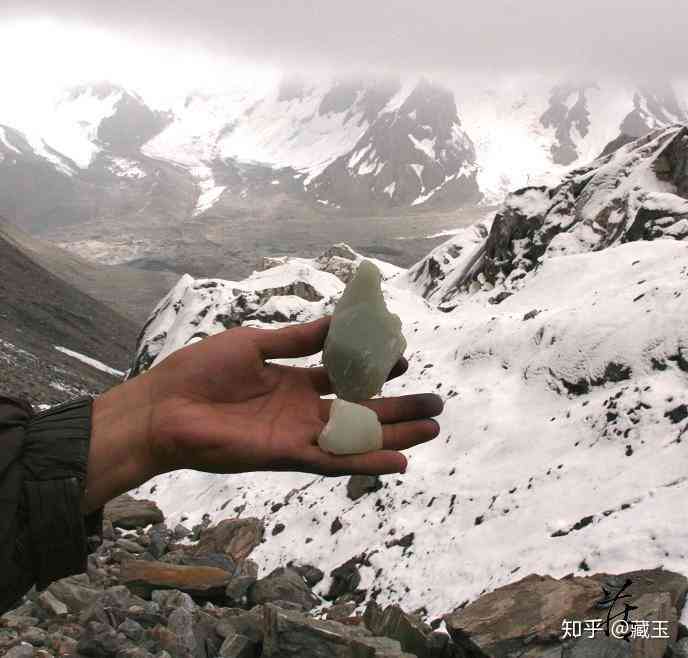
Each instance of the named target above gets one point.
<point>116,178</point>
<point>531,130</point>
<point>556,334</point>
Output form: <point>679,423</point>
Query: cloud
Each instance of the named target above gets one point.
<point>587,37</point>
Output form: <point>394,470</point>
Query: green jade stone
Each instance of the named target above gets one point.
<point>364,340</point>
<point>351,430</point>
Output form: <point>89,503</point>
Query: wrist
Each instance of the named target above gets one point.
<point>120,455</point>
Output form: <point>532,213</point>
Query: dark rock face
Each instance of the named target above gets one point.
<point>564,119</point>
<point>131,125</point>
<point>530,613</point>
<point>653,107</point>
<point>416,154</point>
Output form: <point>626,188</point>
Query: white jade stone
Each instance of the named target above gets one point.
<point>351,430</point>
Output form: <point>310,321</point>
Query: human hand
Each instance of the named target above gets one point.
<point>217,406</point>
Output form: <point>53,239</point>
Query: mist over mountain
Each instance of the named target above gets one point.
<point>118,179</point>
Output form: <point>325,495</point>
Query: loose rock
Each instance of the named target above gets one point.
<point>129,513</point>
<point>143,577</point>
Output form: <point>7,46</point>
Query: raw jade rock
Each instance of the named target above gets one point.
<point>352,429</point>
<point>364,340</point>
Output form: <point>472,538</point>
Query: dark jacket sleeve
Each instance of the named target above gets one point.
<point>43,462</point>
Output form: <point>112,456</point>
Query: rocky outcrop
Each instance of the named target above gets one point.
<point>435,276</point>
<point>129,513</point>
<point>202,307</point>
<point>567,114</point>
<point>638,192</point>
<point>533,616</point>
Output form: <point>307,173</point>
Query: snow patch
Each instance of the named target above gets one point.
<point>94,363</point>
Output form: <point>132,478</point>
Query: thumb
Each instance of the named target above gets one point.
<point>296,340</point>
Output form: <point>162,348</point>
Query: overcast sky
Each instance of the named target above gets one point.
<point>643,39</point>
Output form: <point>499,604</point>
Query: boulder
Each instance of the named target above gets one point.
<point>159,540</point>
<point>238,646</point>
<point>169,600</point>
<point>181,623</point>
<point>130,546</point>
<point>531,611</point>
<point>22,650</point>
<point>247,623</point>
<point>289,633</point>
<point>109,606</point>
<point>341,611</point>
<point>62,645</point>
<point>208,640</point>
<point>142,577</point>
<point>415,636</point>
<point>73,591</point>
<point>345,579</point>
<point>282,585</point>
<point>360,485</point>
<point>235,538</point>
<point>180,531</point>
<point>51,604</point>
<point>99,640</point>
<point>34,635</point>
<point>129,513</point>
<point>393,622</point>
<point>237,590</point>
<point>131,629</point>
<point>8,638</point>
<point>312,575</point>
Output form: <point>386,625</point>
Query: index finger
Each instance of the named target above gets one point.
<point>293,341</point>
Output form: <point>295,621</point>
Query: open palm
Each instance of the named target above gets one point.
<point>220,407</point>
